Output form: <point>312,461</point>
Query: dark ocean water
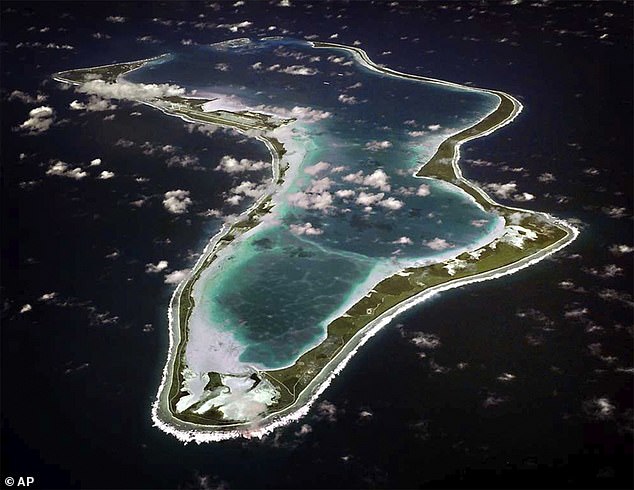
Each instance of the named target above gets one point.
<point>80,370</point>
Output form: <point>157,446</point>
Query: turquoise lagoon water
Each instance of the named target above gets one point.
<point>278,289</point>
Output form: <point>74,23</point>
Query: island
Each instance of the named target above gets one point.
<point>220,382</point>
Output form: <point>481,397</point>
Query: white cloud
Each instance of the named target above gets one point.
<point>298,112</point>
<point>77,106</point>
<point>378,179</point>
<point>417,134</point>
<point>116,19</point>
<point>392,203</point>
<point>347,99</point>
<point>327,410</point>
<point>184,161</point>
<point>124,89</point>
<point>345,193</point>
<point>305,229</point>
<point>176,277</point>
<point>156,268</point>
<point>621,249</point>
<point>249,189</point>
<point>368,199</point>
<point>433,127</point>
<point>27,98</point>
<point>600,408</point>
<point>479,223</point>
<point>177,201</point>
<point>94,104</point>
<point>48,296</point>
<point>504,191</point>
<point>318,186</point>
<point>299,70</point>
<point>40,119</point>
<point>106,174</point>
<point>438,244</point>
<point>403,241</point>
<point>25,308</point>
<point>524,196</point>
<point>232,165</point>
<point>377,145</point>
<point>234,200</point>
<point>237,26</point>
<point>321,202</point>
<point>317,168</point>
<point>61,169</point>
<point>423,190</point>
<point>96,162</point>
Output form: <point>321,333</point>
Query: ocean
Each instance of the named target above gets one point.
<point>523,382</point>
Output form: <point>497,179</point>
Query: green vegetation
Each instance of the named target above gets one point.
<point>108,73</point>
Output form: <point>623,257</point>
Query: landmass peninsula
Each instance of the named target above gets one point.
<point>231,401</point>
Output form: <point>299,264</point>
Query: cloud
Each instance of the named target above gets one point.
<point>391,203</point>
<point>425,341</point>
<point>368,199</point>
<point>156,268</point>
<point>303,430</point>
<point>27,98</point>
<point>547,178</point>
<point>185,161</point>
<point>305,229</point>
<point>237,26</point>
<point>116,19</point>
<point>347,99</point>
<point>327,410</point>
<point>232,165</point>
<point>61,169</point>
<point>503,191</point>
<point>40,119</point>
<point>599,408</point>
<point>249,189</point>
<point>234,200</point>
<point>221,66</point>
<point>378,179</point>
<point>523,197</point>
<point>423,190</point>
<point>321,202</point>
<point>615,212</point>
<point>177,201</point>
<point>377,145</point>
<point>608,271</point>
<point>403,241</point>
<point>438,244</point>
<point>96,162</point>
<point>434,127</point>
<point>94,104</point>
<point>345,193</point>
<point>317,168</point>
<point>27,307</point>
<point>105,175</point>
<point>301,113</point>
<point>621,249</point>
<point>124,89</point>
<point>299,70</point>
<point>417,134</point>
<point>176,277</point>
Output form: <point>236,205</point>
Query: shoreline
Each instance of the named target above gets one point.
<point>186,431</point>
